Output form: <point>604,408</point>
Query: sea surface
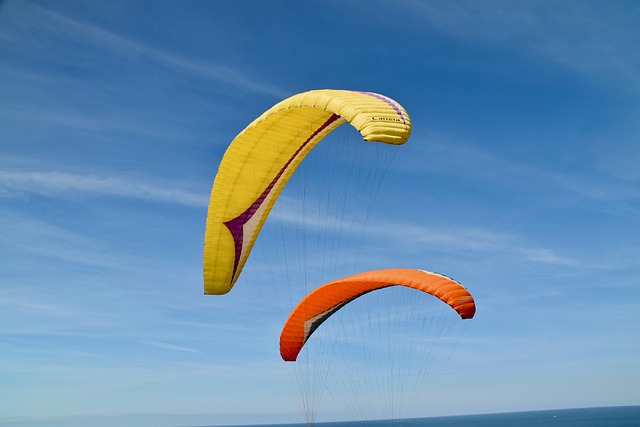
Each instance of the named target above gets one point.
<point>622,416</point>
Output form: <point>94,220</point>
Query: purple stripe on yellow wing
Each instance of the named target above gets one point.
<point>236,225</point>
<point>391,102</point>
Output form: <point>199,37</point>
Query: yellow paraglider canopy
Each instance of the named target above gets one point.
<point>261,159</point>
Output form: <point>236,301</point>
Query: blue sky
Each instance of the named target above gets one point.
<point>520,180</point>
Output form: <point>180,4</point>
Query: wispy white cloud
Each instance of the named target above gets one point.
<point>593,183</point>
<point>234,327</point>
<point>29,18</point>
<point>471,239</point>
<point>35,307</point>
<point>98,124</point>
<point>449,238</point>
<point>53,242</point>
<point>595,39</point>
<point>171,347</point>
<point>65,185</point>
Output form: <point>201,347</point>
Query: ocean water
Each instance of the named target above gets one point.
<point>623,416</point>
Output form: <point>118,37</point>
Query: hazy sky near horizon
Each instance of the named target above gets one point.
<point>521,180</point>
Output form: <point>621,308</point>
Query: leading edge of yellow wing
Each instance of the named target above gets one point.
<point>378,118</point>
<point>261,159</point>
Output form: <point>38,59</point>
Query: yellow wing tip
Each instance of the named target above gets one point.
<point>216,288</point>
<point>209,291</point>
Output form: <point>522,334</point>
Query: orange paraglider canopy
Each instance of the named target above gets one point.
<point>322,302</point>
